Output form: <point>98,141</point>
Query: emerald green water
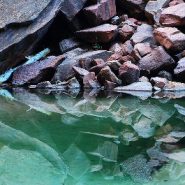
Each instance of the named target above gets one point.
<point>52,138</point>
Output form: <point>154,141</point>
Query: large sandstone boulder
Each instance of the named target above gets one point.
<point>173,16</point>
<point>171,38</point>
<point>36,72</point>
<point>100,12</point>
<point>156,60</point>
<point>22,25</point>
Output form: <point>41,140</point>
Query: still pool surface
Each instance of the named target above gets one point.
<point>60,139</point>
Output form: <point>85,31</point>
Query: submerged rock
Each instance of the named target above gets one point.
<point>137,168</point>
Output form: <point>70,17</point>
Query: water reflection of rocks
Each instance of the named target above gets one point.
<point>112,138</point>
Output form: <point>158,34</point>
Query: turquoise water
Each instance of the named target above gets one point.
<point>53,138</point>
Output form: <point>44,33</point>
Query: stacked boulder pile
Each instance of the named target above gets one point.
<point>123,45</point>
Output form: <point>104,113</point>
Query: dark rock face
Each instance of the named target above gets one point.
<point>70,8</point>
<point>101,12</point>
<point>68,45</point>
<point>173,16</point>
<point>36,72</point>
<point>171,38</point>
<point>129,73</point>
<point>65,70</point>
<point>155,61</point>
<point>103,34</point>
<point>165,74</point>
<point>18,41</point>
<point>133,7</point>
